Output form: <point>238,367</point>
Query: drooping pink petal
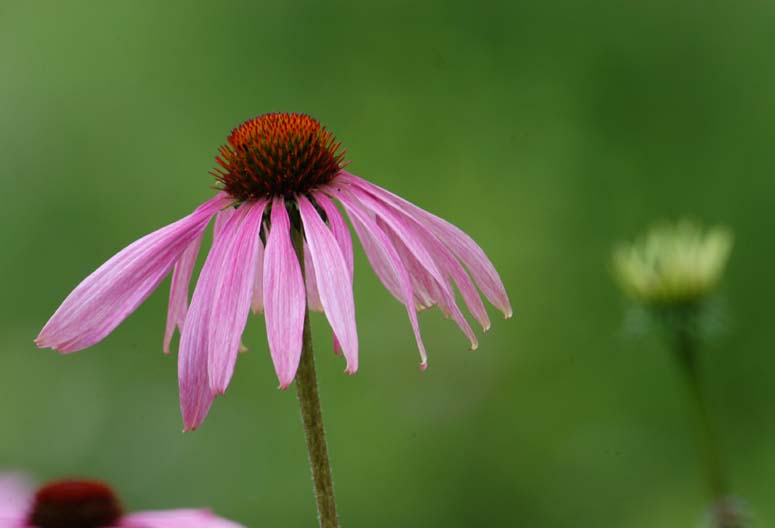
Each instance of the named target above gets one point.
<point>333,279</point>
<point>257,302</point>
<point>284,296</point>
<point>176,519</point>
<point>311,283</point>
<point>462,245</point>
<point>384,260</point>
<point>338,227</point>
<point>409,237</point>
<point>426,293</point>
<point>448,265</point>
<point>342,235</point>
<point>195,394</point>
<point>220,220</point>
<point>428,285</point>
<point>179,286</point>
<point>231,300</point>
<point>107,296</point>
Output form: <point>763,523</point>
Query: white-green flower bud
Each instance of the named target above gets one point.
<point>673,263</point>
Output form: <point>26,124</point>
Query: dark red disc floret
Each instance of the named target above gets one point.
<point>278,154</point>
<point>75,504</point>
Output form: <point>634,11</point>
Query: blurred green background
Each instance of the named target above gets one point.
<point>548,131</point>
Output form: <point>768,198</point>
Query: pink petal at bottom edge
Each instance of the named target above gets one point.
<point>176,519</point>
<point>15,496</point>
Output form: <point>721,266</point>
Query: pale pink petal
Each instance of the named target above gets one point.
<point>310,281</point>
<point>220,220</point>
<point>176,519</point>
<point>426,294</point>
<point>179,286</point>
<point>257,302</point>
<point>342,234</point>
<point>107,296</point>
<point>195,394</point>
<point>15,497</point>
<point>462,245</point>
<point>384,260</point>
<point>430,286</point>
<point>284,296</point>
<point>450,268</point>
<point>333,279</point>
<point>408,237</point>
<point>231,300</point>
<point>338,227</point>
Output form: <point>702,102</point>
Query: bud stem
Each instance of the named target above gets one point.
<point>309,401</point>
<point>685,347</point>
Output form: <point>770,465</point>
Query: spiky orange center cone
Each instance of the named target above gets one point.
<point>75,504</point>
<point>277,154</point>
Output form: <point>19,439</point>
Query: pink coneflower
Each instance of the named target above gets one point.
<point>87,504</point>
<point>282,247</point>
<point>279,174</point>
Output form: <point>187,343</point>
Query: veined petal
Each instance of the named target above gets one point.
<point>231,301</point>
<point>426,293</point>
<point>284,296</point>
<point>462,245</point>
<point>179,286</point>
<point>220,220</point>
<point>195,394</point>
<point>423,280</point>
<point>384,260</point>
<point>342,234</point>
<point>338,227</point>
<point>311,283</point>
<point>333,280</point>
<point>107,296</point>
<point>257,302</point>
<point>409,238</point>
<point>176,519</point>
<point>449,266</point>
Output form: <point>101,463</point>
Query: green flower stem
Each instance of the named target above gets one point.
<point>309,401</point>
<point>685,344</point>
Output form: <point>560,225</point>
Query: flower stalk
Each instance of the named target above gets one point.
<point>685,345</point>
<point>309,401</point>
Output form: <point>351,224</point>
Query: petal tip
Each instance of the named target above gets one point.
<point>350,371</point>
<point>423,366</point>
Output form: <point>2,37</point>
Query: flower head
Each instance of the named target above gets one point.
<point>673,264</point>
<point>86,504</point>
<point>279,173</point>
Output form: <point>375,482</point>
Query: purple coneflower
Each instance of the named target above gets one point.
<point>280,246</point>
<point>87,504</point>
